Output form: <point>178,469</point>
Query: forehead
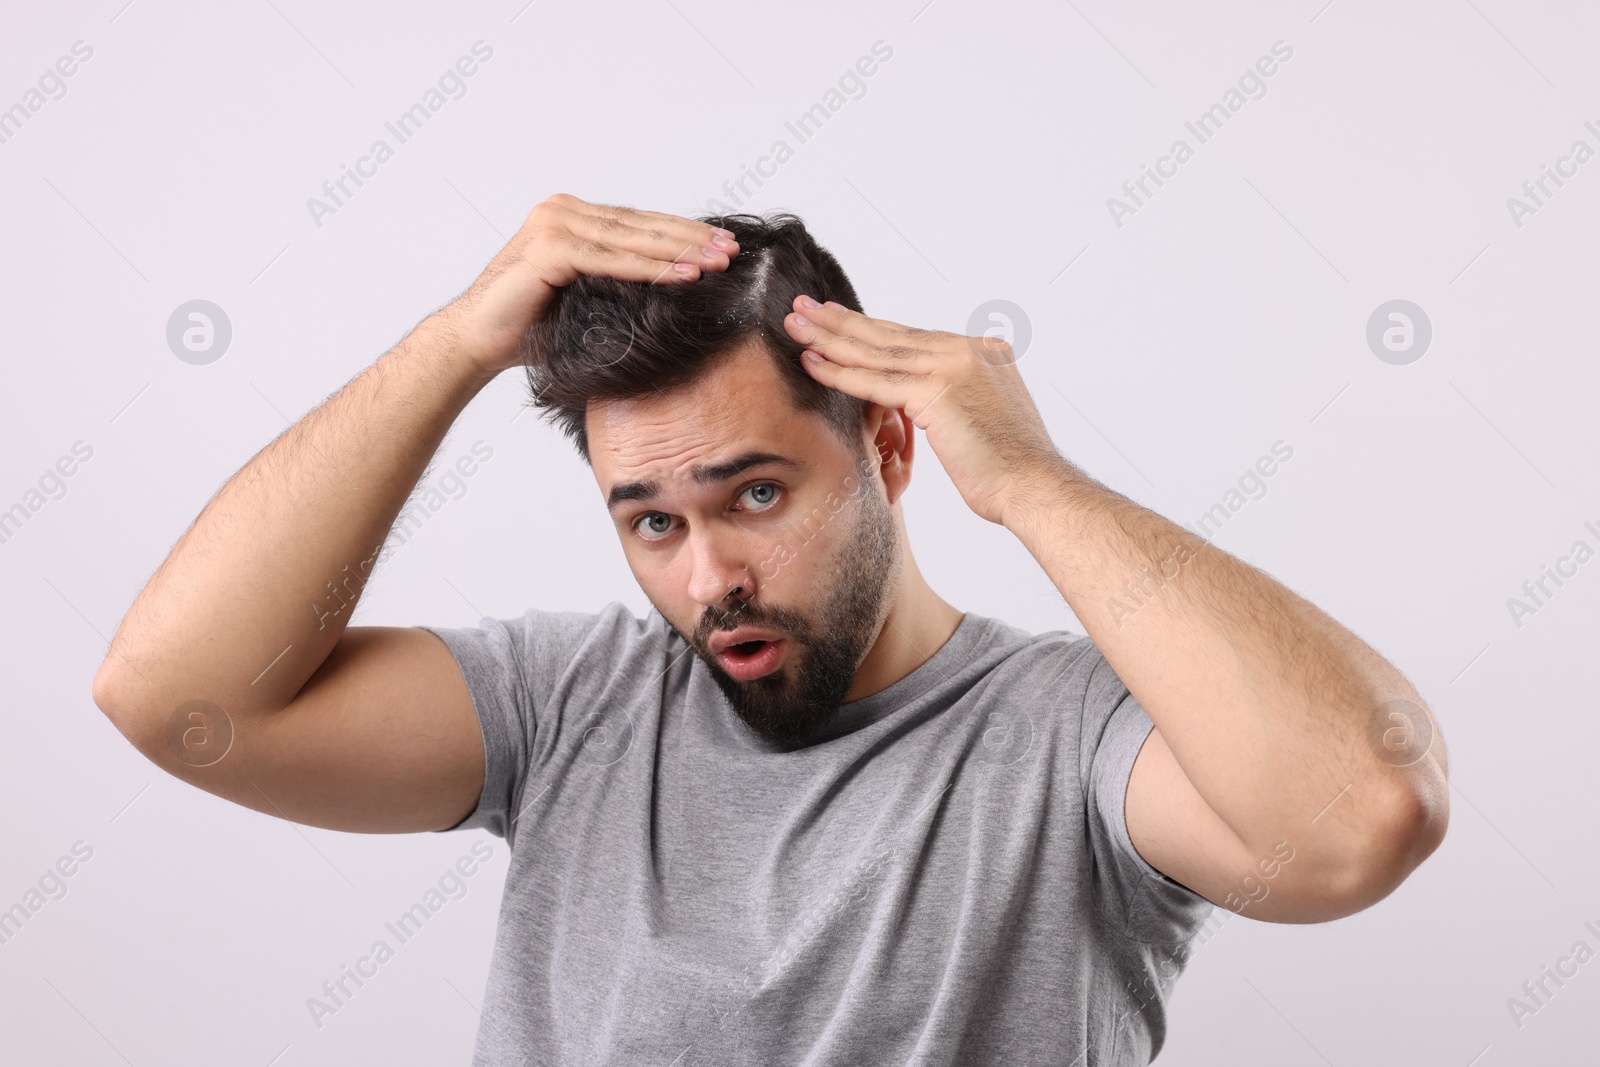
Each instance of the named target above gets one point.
<point>741,404</point>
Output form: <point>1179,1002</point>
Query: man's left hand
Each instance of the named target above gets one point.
<point>965,393</point>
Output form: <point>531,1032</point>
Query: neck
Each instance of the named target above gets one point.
<point>918,624</point>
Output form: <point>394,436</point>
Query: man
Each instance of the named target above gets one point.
<point>856,825</point>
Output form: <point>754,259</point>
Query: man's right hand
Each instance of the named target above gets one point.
<point>562,238</point>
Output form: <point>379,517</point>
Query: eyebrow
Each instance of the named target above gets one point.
<point>705,474</point>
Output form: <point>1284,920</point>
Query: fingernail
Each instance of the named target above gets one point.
<point>725,233</point>
<point>801,319</point>
<point>807,302</point>
<point>711,253</point>
<point>721,242</point>
<point>837,307</point>
<point>683,268</point>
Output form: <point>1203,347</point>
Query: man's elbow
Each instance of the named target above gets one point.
<point>106,692</point>
<point>1410,830</point>
<point>1417,827</point>
<point>111,694</point>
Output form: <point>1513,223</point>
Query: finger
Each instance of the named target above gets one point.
<point>668,238</point>
<point>844,321</point>
<point>610,215</point>
<point>597,257</point>
<point>852,350</point>
<point>636,215</point>
<point>847,351</point>
<point>656,223</point>
<point>892,389</point>
<point>680,242</point>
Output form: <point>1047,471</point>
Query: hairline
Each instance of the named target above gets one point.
<point>851,440</point>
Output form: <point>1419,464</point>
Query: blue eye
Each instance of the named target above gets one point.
<point>772,494</point>
<point>651,517</point>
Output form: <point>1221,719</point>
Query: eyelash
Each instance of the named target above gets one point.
<point>662,537</point>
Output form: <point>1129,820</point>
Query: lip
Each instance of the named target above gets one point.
<point>749,668</point>
<point>723,640</point>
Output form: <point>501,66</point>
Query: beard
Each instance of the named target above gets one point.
<point>804,694</point>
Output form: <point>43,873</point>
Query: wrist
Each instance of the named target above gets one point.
<point>1039,492</point>
<point>438,344</point>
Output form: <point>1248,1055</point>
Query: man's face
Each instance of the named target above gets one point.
<point>724,485</point>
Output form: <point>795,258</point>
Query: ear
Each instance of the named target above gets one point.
<point>892,438</point>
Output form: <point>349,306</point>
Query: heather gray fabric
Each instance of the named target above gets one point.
<point>945,879</point>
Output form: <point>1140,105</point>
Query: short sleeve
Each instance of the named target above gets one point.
<point>1146,903</point>
<point>511,667</point>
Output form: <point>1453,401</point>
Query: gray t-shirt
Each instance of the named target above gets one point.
<point>946,878</point>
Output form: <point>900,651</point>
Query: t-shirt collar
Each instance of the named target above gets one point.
<point>958,649</point>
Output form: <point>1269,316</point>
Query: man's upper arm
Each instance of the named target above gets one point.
<point>382,738</point>
<point>1177,832</point>
<point>492,662</point>
<point>409,729</point>
<point>1148,902</point>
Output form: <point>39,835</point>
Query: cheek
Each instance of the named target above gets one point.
<point>801,550</point>
<point>821,565</point>
<point>671,599</point>
<point>665,581</point>
<point>655,575</point>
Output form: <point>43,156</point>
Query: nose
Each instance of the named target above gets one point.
<point>719,569</point>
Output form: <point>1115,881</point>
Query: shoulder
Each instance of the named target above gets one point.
<point>566,633</point>
<point>596,645</point>
<point>545,649</point>
<point>1057,664</point>
<point>1060,679</point>
<point>603,654</point>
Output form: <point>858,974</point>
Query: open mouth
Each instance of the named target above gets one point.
<point>749,660</point>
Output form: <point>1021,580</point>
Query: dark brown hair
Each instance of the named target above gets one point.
<point>606,339</point>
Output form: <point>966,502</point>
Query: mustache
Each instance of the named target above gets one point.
<point>780,622</point>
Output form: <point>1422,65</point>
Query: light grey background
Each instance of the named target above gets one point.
<point>1167,355</point>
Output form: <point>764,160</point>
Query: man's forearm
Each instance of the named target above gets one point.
<point>257,592</point>
<point>1266,702</point>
